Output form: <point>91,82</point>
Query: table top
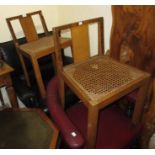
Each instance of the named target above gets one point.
<point>5,69</point>
<point>44,44</point>
<point>25,128</point>
<point>101,78</point>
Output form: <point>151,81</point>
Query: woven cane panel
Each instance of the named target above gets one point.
<point>101,75</point>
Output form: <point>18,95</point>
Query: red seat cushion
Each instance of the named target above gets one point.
<point>115,129</point>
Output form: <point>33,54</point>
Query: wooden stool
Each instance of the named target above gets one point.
<point>26,129</point>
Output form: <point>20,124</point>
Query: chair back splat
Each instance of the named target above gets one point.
<point>28,26</point>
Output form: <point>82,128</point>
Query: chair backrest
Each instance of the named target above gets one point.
<point>42,19</point>
<point>80,42</point>
<point>27,25</point>
<point>28,28</point>
<point>80,36</point>
<point>10,26</point>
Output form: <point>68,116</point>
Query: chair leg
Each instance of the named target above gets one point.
<point>12,96</point>
<point>2,100</point>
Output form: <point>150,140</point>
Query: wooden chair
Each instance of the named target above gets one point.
<point>80,36</point>
<point>30,32</point>
<point>73,121</point>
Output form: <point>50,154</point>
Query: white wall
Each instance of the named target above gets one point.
<point>72,13</point>
<point>50,13</point>
<point>57,15</point>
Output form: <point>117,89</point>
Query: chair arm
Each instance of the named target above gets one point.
<point>70,134</point>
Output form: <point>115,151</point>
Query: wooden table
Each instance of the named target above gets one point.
<point>5,80</point>
<point>35,50</point>
<point>26,129</point>
<point>100,81</point>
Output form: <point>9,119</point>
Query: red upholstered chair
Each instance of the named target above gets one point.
<point>115,130</point>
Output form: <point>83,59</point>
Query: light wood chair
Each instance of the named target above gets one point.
<point>88,123</point>
<point>30,31</point>
<point>80,35</point>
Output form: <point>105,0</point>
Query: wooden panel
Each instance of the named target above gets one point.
<point>80,43</point>
<point>29,29</point>
<point>41,18</point>
<point>134,26</point>
<point>133,40</point>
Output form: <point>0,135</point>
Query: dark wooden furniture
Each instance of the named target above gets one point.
<point>134,26</point>
<point>5,80</point>
<point>35,47</point>
<point>132,41</point>
<point>26,129</point>
<point>97,81</point>
<point>132,37</point>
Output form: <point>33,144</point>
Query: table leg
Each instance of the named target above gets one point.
<point>38,77</point>
<point>140,101</point>
<point>24,69</point>
<point>1,98</point>
<point>12,96</point>
<point>92,126</point>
